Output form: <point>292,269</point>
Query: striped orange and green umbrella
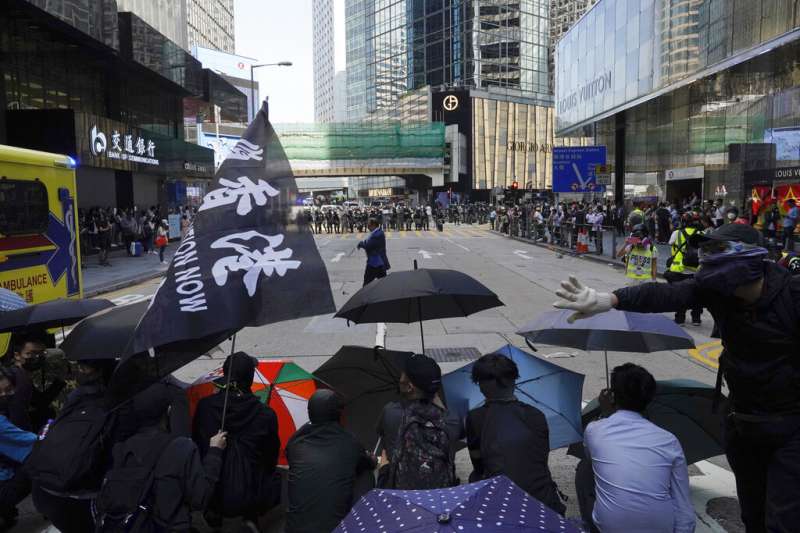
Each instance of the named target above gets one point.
<point>283,385</point>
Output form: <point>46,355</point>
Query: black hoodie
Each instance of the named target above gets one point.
<point>760,341</point>
<point>251,455</point>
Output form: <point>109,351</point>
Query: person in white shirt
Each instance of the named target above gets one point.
<point>640,471</point>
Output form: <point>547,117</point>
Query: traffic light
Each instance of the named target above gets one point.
<point>514,185</point>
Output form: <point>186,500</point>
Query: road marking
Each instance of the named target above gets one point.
<point>129,299</point>
<point>707,353</point>
<point>715,482</point>
<point>451,241</point>
<point>522,253</point>
<point>428,255</point>
<point>337,257</point>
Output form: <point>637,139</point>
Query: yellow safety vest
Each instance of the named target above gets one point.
<point>677,254</point>
<point>640,263</point>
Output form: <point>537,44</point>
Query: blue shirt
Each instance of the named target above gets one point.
<point>641,477</point>
<point>15,445</point>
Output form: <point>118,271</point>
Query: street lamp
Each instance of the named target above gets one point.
<point>253,83</point>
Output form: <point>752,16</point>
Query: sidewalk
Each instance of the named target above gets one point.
<point>123,272</point>
<point>610,242</point>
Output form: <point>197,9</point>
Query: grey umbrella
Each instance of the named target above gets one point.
<point>616,331</point>
<point>683,407</point>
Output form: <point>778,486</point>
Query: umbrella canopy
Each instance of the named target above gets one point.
<point>367,379</point>
<point>10,300</point>
<point>415,295</point>
<point>52,314</point>
<point>495,504</point>
<point>684,408</point>
<point>108,335</point>
<point>554,390</point>
<point>614,331</point>
<point>282,385</point>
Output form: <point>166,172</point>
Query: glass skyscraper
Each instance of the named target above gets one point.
<point>398,45</point>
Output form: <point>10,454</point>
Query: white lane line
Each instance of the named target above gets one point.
<point>451,241</point>
<point>715,483</point>
<point>522,253</point>
<point>428,255</point>
<point>380,335</point>
<point>337,257</point>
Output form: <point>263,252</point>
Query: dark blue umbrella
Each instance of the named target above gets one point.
<point>554,390</point>
<point>615,331</point>
<point>493,505</point>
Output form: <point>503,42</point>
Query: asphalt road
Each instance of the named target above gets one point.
<point>525,278</point>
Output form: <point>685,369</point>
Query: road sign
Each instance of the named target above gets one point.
<point>574,168</point>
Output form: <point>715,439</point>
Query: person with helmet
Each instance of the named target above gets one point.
<point>684,261</point>
<point>756,304</point>
<point>641,255</point>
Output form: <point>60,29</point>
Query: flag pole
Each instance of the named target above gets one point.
<point>228,384</point>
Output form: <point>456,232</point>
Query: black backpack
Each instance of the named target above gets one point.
<point>691,255</point>
<point>71,456</point>
<point>422,459</point>
<point>124,504</point>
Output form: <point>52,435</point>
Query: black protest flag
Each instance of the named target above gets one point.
<point>248,259</point>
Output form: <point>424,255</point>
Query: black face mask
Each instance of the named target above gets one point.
<point>34,363</point>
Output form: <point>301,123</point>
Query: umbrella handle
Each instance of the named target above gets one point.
<point>530,344</point>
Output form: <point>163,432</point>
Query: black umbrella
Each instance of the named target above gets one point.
<point>367,379</point>
<point>683,407</point>
<point>109,335</point>
<point>417,295</point>
<point>53,314</point>
<point>616,331</point>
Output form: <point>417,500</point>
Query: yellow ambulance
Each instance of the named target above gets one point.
<point>39,249</point>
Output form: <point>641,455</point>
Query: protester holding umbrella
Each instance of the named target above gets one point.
<point>180,481</point>
<point>15,446</point>
<point>508,437</point>
<point>756,305</point>
<point>375,247</point>
<point>245,488</point>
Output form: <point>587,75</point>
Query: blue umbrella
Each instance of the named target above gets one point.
<point>10,300</point>
<point>616,331</point>
<point>492,505</point>
<point>554,390</point>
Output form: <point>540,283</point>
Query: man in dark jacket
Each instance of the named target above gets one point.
<point>324,462</point>
<point>71,511</point>
<point>375,246</point>
<point>182,481</point>
<point>756,305</point>
<point>508,437</point>
<point>246,485</point>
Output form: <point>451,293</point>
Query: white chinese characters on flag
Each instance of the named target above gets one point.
<point>249,258</point>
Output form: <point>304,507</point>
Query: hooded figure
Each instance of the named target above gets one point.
<point>756,305</point>
<point>246,481</point>
<point>324,462</point>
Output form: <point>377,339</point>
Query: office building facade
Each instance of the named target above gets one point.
<point>404,57</point>
<point>210,24</point>
<point>322,21</point>
<point>106,88</point>
<point>563,15</point>
<point>698,96</point>
<point>168,17</point>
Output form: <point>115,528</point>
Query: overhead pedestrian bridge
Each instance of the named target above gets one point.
<point>353,149</point>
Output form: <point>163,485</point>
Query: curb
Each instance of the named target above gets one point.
<point>123,284</point>
<point>591,257</point>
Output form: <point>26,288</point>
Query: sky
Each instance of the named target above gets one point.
<point>280,30</point>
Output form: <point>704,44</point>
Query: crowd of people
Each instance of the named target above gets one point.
<point>138,231</point>
<point>562,223</point>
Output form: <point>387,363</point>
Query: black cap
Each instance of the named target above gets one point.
<point>325,406</point>
<point>734,233</point>
<point>424,373</point>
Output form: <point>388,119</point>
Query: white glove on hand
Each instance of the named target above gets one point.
<point>584,300</point>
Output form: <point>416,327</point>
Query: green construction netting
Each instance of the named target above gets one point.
<point>361,141</point>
